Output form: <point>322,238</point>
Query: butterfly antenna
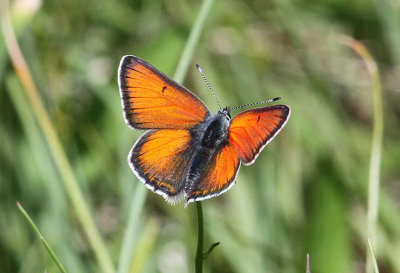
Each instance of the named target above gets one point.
<point>209,86</point>
<point>255,103</point>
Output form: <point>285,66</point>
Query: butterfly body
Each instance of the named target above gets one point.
<point>208,137</point>
<point>187,152</point>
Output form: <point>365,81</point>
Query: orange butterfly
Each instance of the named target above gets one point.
<point>186,150</point>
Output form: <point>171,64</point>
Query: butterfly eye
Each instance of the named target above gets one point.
<point>226,112</point>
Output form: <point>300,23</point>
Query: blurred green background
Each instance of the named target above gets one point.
<point>306,193</point>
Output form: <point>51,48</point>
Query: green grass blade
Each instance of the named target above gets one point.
<point>132,229</point>
<point>376,269</point>
<point>41,237</point>
<point>145,244</point>
<point>192,41</point>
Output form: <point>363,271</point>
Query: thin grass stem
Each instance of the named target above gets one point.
<point>200,239</point>
<point>376,146</point>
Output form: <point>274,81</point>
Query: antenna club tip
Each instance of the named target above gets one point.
<point>199,68</point>
<point>277,98</point>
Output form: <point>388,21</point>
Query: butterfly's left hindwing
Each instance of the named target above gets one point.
<point>160,158</point>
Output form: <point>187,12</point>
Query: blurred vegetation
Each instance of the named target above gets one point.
<point>306,193</point>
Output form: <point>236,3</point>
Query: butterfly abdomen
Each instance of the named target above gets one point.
<point>198,165</point>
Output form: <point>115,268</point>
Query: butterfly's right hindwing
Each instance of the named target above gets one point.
<point>212,174</point>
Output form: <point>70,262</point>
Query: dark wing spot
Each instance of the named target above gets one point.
<point>163,89</point>
<point>258,119</point>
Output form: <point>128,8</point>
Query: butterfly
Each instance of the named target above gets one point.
<point>186,151</point>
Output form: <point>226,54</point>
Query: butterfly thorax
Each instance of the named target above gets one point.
<point>213,131</point>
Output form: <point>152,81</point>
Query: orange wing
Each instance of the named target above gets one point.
<point>252,130</point>
<point>160,158</point>
<point>218,177</point>
<point>151,100</point>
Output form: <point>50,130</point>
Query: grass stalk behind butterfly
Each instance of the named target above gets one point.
<point>128,243</point>
<point>376,147</point>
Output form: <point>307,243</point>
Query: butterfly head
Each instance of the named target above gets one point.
<point>226,112</point>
